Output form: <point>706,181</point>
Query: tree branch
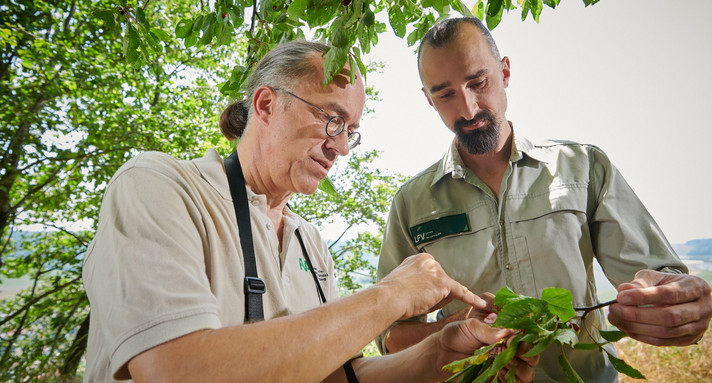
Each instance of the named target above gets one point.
<point>27,305</point>
<point>21,325</point>
<point>72,9</point>
<point>342,234</point>
<point>76,350</point>
<point>58,332</point>
<point>254,15</point>
<point>81,241</point>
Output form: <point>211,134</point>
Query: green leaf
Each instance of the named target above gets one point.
<point>361,66</point>
<point>328,187</point>
<point>334,62</point>
<point>539,347</point>
<point>153,42</point>
<point>461,8</point>
<point>566,336</point>
<point>339,38</point>
<point>141,19</point>
<point>107,17</point>
<point>352,69</point>
<point>209,26</point>
<point>500,361</point>
<point>624,368</point>
<point>297,8</point>
<point>612,336</point>
<point>397,20</point>
<point>225,35</point>
<point>369,18</point>
<point>184,28</point>
<point>192,39</point>
<point>442,7</point>
<point>552,3</point>
<point>479,10</point>
<point>560,302</point>
<point>161,34</point>
<point>494,13</point>
<point>571,374</point>
<point>479,357</point>
<point>198,23</point>
<point>505,296</point>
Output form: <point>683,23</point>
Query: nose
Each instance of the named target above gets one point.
<point>338,143</point>
<point>468,105</point>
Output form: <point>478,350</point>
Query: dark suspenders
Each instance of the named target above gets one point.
<point>254,285</point>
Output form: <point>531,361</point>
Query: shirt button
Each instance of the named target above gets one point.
<point>501,222</point>
<point>509,267</point>
<point>269,226</point>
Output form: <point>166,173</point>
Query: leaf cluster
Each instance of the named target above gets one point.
<point>540,322</point>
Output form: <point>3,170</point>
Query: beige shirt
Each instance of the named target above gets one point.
<point>561,205</point>
<point>166,260</point>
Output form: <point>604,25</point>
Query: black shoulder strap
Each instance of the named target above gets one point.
<point>254,286</point>
<point>313,272</point>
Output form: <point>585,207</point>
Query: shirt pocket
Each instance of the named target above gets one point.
<point>550,240</point>
<point>470,257</point>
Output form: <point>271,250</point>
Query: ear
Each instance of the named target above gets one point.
<point>264,104</point>
<point>427,97</point>
<point>505,71</point>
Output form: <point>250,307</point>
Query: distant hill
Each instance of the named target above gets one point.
<point>695,249</point>
<point>700,247</point>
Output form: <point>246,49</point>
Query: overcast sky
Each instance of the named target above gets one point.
<point>630,76</point>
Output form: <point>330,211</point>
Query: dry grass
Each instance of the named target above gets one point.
<point>668,364</point>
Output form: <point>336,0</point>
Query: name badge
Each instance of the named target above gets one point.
<point>439,227</point>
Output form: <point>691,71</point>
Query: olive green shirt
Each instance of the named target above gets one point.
<point>561,205</point>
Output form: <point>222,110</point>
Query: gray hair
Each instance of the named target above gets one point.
<point>444,32</point>
<point>282,67</point>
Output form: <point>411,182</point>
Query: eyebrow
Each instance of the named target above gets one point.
<point>439,87</point>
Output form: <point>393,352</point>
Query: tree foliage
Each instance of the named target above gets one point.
<point>85,85</point>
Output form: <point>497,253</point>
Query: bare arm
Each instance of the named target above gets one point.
<point>308,346</point>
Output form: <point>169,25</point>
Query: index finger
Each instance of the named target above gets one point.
<point>462,293</point>
<point>672,293</point>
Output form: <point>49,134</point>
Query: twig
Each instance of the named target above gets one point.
<point>587,310</point>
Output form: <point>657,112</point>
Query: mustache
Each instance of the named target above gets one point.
<point>482,115</point>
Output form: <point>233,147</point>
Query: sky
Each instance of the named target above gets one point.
<point>633,77</point>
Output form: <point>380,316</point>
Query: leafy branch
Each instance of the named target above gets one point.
<point>541,322</point>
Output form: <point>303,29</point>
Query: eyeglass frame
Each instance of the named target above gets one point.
<point>352,142</point>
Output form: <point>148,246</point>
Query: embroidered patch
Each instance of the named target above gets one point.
<point>439,227</point>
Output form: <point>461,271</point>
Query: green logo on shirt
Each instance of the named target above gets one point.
<point>439,227</point>
<point>303,264</point>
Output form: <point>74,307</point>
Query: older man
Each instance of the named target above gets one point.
<point>498,211</point>
<point>165,273</point>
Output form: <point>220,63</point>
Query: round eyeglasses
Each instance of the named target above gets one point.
<point>334,124</point>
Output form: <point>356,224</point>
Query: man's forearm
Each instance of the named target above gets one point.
<point>416,364</point>
<point>304,347</point>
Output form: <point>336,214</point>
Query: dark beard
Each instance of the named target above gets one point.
<point>478,141</point>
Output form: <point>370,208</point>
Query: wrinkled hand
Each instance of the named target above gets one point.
<point>422,286</point>
<point>459,340</point>
<point>663,309</point>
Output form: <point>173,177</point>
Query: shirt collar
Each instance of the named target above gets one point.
<point>212,169</point>
<point>452,162</point>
